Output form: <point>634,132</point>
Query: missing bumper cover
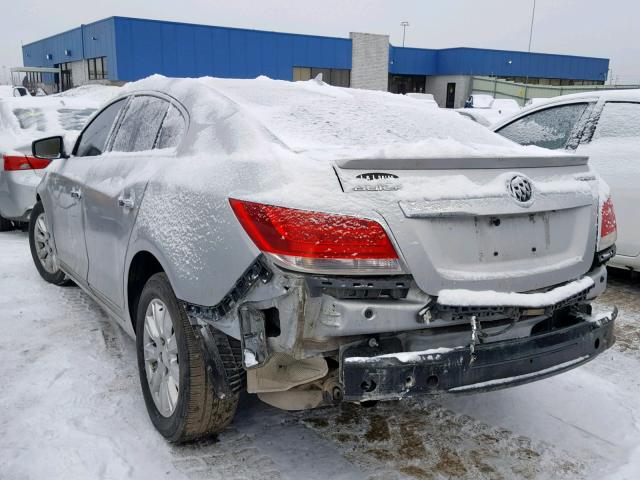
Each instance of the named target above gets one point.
<point>498,364</point>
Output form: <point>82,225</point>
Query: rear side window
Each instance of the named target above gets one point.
<point>94,137</point>
<point>618,120</point>
<point>139,128</point>
<point>549,128</point>
<point>172,129</point>
<point>31,118</point>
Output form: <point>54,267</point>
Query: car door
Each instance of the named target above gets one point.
<point>614,152</point>
<point>116,186</point>
<point>64,199</point>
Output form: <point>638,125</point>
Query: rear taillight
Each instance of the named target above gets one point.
<point>608,226</point>
<point>315,241</point>
<point>22,162</point>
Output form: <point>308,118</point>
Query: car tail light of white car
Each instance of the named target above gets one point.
<point>22,162</point>
<point>608,226</point>
<point>318,242</point>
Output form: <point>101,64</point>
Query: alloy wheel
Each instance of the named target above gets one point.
<point>161,357</point>
<point>44,249</point>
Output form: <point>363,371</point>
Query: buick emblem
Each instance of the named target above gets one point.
<point>520,188</point>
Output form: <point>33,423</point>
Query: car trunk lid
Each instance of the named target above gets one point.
<point>466,223</point>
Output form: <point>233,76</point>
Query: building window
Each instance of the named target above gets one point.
<point>407,83</point>
<point>97,68</point>
<point>65,82</point>
<point>338,77</point>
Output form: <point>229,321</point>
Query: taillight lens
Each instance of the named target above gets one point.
<point>608,226</point>
<point>22,162</point>
<point>315,241</point>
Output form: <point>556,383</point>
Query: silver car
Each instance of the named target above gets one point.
<point>21,121</point>
<point>314,245</point>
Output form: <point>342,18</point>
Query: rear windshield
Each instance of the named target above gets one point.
<point>306,117</point>
<point>43,120</point>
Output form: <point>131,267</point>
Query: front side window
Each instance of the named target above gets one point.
<point>94,138</point>
<point>619,120</point>
<point>549,128</point>
<point>139,129</point>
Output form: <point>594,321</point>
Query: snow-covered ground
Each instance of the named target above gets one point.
<point>71,408</point>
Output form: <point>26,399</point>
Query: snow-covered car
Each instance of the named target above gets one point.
<point>315,244</point>
<point>21,121</point>
<point>8,91</point>
<point>426,98</point>
<point>604,125</point>
<point>487,111</point>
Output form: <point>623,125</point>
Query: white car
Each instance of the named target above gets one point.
<point>426,98</point>
<point>604,125</point>
<point>487,110</point>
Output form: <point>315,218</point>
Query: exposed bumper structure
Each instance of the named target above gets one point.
<point>383,372</point>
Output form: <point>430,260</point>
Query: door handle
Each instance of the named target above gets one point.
<point>126,202</point>
<point>76,193</point>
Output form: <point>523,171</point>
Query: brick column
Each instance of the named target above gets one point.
<point>369,61</point>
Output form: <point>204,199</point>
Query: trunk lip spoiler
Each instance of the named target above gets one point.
<point>462,163</point>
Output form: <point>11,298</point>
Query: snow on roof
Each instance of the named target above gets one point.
<point>327,121</point>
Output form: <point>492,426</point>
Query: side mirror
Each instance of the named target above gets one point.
<point>49,148</point>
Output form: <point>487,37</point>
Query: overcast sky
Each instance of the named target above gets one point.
<point>597,28</point>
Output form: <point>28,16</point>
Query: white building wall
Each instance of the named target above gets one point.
<point>79,73</point>
<point>437,86</point>
<point>369,61</point>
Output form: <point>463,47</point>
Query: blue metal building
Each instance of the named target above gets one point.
<point>124,49</point>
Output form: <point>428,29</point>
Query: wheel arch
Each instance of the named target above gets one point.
<point>142,266</point>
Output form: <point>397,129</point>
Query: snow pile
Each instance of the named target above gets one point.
<point>6,91</point>
<point>471,298</point>
<point>93,93</point>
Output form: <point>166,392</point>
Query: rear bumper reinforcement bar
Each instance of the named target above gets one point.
<point>384,372</point>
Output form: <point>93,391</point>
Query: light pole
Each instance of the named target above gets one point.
<point>404,26</point>
<point>526,81</point>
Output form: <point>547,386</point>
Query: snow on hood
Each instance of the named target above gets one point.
<point>324,121</point>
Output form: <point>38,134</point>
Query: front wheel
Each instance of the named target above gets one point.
<point>42,248</point>
<point>177,389</point>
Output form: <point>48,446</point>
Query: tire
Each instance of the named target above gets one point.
<point>48,271</point>
<point>5,225</point>
<point>197,411</point>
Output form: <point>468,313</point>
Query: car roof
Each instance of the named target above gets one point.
<point>312,116</point>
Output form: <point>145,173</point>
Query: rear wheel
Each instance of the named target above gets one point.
<point>42,248</point>
<point>5,225</point>
<point>176,386</point>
